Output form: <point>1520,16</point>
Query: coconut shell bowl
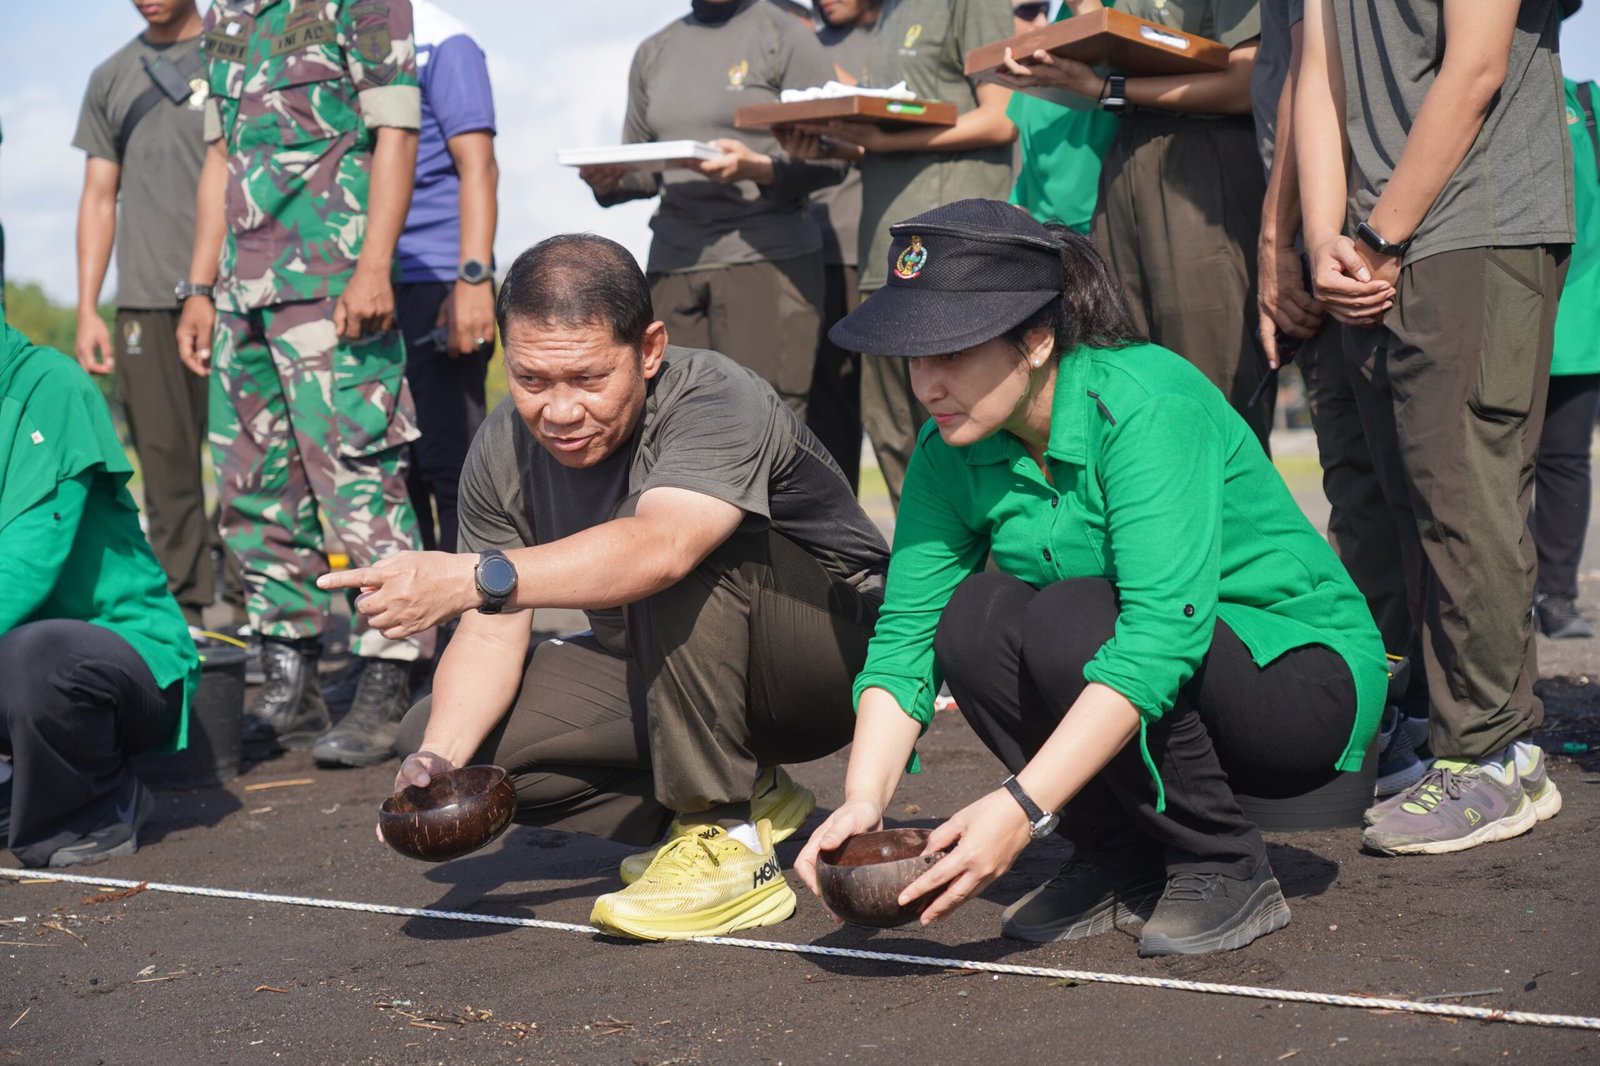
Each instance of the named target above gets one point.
<point>862,879</point>
<point>457,813</point>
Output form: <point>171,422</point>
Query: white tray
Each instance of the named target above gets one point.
<point>649,155</point>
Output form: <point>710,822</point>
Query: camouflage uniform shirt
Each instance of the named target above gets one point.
<point>297,87</point>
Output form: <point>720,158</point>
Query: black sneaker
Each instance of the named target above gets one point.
<point>1559,619</point>
<point>121,837</point>
<point>1202,913</point>
<point>1085,898</point>
<point>366,735</point>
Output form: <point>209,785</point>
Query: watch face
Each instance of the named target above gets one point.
<point>473,271</point>
<point>497,576</point>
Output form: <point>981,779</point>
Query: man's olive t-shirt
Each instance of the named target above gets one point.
<point>710,426</point>
<point>160,168</point>
<point>1515,185</point>
<point>686,83</point>
<point>924,43</point>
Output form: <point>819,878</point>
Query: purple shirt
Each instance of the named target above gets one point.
<point>456,99</point>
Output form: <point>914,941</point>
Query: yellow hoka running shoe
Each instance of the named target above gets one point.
<point>777,798</point>
<point>703,883</point>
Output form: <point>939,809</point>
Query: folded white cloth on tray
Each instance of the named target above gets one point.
<point>833,89</point>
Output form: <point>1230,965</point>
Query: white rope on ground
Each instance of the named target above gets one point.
<point>1444,1010</point>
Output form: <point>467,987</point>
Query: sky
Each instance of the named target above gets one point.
<point>559,71</point>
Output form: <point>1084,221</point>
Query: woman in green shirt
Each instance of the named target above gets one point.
<point>95,655</point>
<point>1164,620</point>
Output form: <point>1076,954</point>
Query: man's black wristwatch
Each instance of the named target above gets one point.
<point>475,272</point>
<point>1369,237</point>
<point>1040,824</point>
<point>496,578</point>
<point>185,289</point>
<point>1116,97</point>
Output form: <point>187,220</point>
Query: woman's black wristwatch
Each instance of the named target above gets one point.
<point>496,578</point>
<point>1040,824</point>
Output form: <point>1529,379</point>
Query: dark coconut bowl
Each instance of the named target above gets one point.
<point>459,812</point>
<point>862,879</point>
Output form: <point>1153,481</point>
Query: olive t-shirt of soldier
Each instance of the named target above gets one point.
<point>709,426</point>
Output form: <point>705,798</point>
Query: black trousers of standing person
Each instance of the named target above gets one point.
<point>1014,656</point>
<point>747,662</point>
<point>76,703</point>
<point>167,409</point>
<point>448,390</point>
<point>1561,494</point>
<point>834,410</point>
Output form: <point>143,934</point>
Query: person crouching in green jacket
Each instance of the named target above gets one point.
<point>1161,620</point>
<point>96,661</point>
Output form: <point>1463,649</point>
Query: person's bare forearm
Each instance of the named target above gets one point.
<point>210,216</point>
<point>1280,212</point>
<point>479,676</point>
<point>609,565</point>
<point>473,154</point>
<point>1099,724</point>
<point>394,168</point>
<point>985,126</point>
<point>1321,149</point>
<point>884,739</point>
<point>1478,44</point>
<point>97,231</point>
<point>1226,92</point>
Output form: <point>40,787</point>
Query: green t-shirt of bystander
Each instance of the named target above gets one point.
<point>1577,345</point>
<point>1061,150</point>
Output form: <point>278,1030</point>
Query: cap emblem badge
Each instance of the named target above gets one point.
<point>912,260</point>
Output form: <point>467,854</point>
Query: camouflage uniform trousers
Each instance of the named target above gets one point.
<point>306,426</point>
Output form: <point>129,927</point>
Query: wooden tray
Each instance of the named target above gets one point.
<point>1109,39</point>
<point>889,114</point>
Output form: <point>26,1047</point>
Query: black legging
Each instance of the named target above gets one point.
<point>1561,482</point>
<point>76,703</point>
<point>1013,657</point>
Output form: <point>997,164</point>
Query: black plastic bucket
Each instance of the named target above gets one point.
<point>1339,804</point>
<point>216,719</point>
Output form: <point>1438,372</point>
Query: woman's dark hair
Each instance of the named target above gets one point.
<point>1091,309</point>
<point>577,279</point>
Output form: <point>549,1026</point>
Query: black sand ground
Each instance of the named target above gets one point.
<point>156,978</point>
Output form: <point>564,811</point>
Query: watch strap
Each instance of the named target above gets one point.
<point>1035,814</point>
<point>1116,93</point>
<point>1374,240</point>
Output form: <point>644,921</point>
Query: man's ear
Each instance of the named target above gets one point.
<point>652,348</point>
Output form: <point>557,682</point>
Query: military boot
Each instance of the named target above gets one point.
<point>289,712</point>
<point>366,734</point>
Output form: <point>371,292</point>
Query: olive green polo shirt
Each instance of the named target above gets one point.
<point>924,43</point>
<point>1156,485</point>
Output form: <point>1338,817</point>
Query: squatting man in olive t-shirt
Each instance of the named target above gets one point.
<point>730,578</point>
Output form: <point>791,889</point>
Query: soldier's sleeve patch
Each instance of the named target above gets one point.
<point>373,44</point>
